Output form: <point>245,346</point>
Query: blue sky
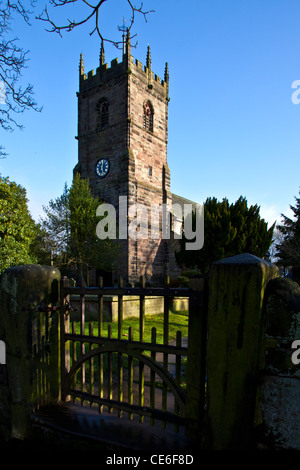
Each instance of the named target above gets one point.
<point>233,128</point>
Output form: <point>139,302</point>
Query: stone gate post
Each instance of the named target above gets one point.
<point>235,329</point>
<point>31,339</point>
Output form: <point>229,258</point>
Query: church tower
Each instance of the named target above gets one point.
<point>122,149</point>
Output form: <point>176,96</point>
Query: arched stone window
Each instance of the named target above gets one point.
<point>148,116</point>
<point>102,111</point>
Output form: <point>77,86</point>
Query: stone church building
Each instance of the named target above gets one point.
<point>122,149</point>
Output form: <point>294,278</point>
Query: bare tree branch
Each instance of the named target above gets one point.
<point>93,15</point>
<point>14,98</point>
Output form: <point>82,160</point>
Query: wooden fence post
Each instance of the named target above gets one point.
<point>235,328</point>
<point>196,368</point>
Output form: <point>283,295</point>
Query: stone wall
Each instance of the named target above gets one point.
<point>131,306</point>
<point>280,387</point>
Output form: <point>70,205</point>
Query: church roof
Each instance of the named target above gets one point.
<point>181,201</point>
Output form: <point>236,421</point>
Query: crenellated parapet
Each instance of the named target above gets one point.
<point>105,72</point>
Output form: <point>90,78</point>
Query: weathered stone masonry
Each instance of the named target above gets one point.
<point>123,117</point>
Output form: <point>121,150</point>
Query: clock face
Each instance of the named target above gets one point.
<point>102,167</point>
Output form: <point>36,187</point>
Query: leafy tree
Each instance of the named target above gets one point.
<point>288,249</point>
<point>229,229</point>
<point>70,225</point>
<point>17,228</point>
<point>85,247</point>
<point>41,249</point>
<point>56,227</point>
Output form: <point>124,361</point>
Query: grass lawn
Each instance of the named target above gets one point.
<point>178,321</point>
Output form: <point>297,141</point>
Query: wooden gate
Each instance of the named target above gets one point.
<point>123,372</point>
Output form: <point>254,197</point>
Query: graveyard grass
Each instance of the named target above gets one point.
<point>178,321</point>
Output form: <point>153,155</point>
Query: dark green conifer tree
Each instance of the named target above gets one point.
<point>229,229</point>
<point>288,250</point>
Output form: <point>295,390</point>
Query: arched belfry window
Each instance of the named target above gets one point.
<point>148,116</point>
<point>102,111</point>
